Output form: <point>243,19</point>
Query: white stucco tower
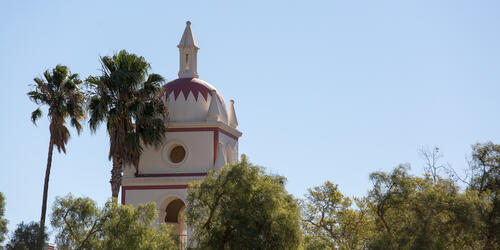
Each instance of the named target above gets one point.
<point>202,136</point>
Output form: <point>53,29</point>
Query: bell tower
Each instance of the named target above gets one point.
<point>202,136</point>
<point>188,54</point>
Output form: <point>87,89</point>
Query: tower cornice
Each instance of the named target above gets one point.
<point>206,124</point>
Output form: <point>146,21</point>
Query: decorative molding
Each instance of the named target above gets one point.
<point>228,134</point>
<point>206,124</point>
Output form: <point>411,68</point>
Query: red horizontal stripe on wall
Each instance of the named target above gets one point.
<point>154,187</point>
<point>170,175</point>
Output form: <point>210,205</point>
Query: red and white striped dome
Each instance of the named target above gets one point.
<point>188,100</point>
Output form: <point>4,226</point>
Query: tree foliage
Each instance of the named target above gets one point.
<point>126,97</point>
<point>27,236</point>
<point>330,222</point>
<point>403,211</point>
<point>80,224</point>
<point>241,207</point>
<point>3,221</point>
<point>485,179</point>
<point>131,228</point>
<point>417,213</point>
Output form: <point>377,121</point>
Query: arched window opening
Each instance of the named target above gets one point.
<point>173,211</point>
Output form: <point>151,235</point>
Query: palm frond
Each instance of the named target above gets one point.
<point>35,115</point>
<point>47,76</point>
<point>36,97</point>
<point>39,81</point>
<point>156,78</point>
<point>125,97</point>
<point>76,124</point>
<point>97,112</point>
<point>60,92</point>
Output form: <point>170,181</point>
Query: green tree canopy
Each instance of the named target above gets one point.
<point>77,221</point>
<point>126,97</point>
<point>403,211</point>
<point>485,179</point>
<point>3,221</point>
<point>81,224</point>
<point>27,236</point>
<point>330,221</point>
<point>133,228</point>
<point>241,207</point>
<point>418,213</point>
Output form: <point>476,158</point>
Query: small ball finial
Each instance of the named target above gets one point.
<point>231,101</point>
<point>188,22</point>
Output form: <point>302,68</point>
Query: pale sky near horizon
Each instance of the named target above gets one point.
<point>324,90</point>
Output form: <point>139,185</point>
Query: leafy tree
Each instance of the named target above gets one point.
<point>125,96</point>
<point>418,213</point>
<point>3,221</point>
<point>241,207</point>
<point>485,179</point>
<point>131,228</point>
<point>27,236</point>
<point>60,92</point>
<point>80,224</point>
<point>330,222</point>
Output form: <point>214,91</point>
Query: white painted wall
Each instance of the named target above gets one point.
<point>199,150</point>
<point>135,197</point>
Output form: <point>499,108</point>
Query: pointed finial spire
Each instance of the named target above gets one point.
<point>213,109</point>
<point>232,120</point>
<point>188,52</point>
<point>188,39</point>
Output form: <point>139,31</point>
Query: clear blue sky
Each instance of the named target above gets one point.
<point>324,90</point>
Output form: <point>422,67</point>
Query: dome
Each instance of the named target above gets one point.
<point>188,100</point>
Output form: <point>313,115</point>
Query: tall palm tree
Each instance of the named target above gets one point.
<point>126,97</point>
<point>60,92</point>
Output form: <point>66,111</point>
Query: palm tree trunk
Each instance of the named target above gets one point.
<point>46,189</point>
<point>116,176</point>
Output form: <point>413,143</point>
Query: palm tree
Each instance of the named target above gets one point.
<point>60,92</point>
<point>125,96</point>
